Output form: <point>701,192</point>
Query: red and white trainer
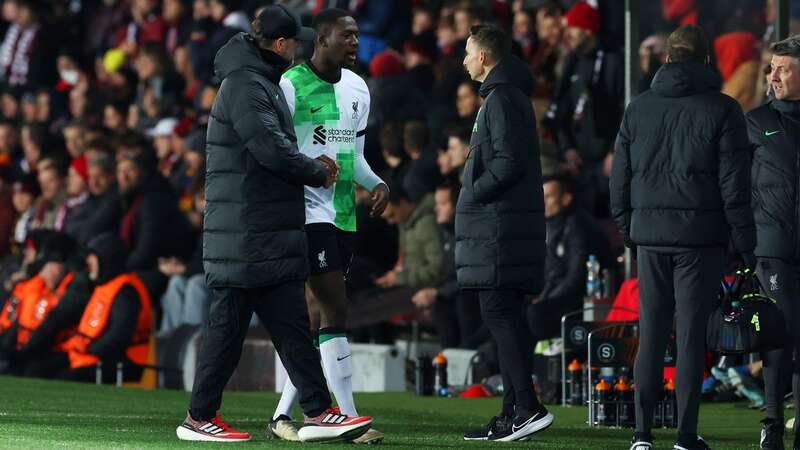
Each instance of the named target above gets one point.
<point>214,430</point>
<point>331,426</point>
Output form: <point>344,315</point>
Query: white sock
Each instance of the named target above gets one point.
<point>338,365</point>
<point>288,397</point>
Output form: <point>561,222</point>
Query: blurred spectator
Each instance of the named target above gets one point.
<point>467,102</point>
<point>177,16</point>
<point>115,117</point>
<point>737,62</point>
<point>80,205</point>
<point>52,184</point>
<point>547,61</point>
<point>147,204</point>
<point>396,159</point>
<point>105,210</point>
<point>456,313</point>
<point>572,235</point>
<point>27,54</point>
<point>187,299</point>
<point>452,159</point>
<point>423,174</point>
<point>215,22</point>
<point>380,24</point>
<point>394,98</point>
<point>420,244</point>
<point>74,133</point>
<point>144,27</point>
<point>652,55</point>
<point>587,107</point>
<point>169,158</point>
<point>159,87</point>
<point>423,20</point>
<point>24,194</point>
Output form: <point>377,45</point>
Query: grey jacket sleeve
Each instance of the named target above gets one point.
<point>254,117</point>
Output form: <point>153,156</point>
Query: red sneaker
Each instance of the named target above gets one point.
<point>214,430</point>
<point>331,426</point>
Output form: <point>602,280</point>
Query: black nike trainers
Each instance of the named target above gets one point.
<point>771,434</point>
<point>498,426</point>
<point>524,426</point>
<point>699,445</point>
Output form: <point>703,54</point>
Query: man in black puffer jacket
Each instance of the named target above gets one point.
<point>680,191</point>
<point>774,130</point>
<point>253,240</point>
<point>500,228</point>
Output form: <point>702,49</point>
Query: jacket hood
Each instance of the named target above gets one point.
<point>111,255</point>
<point>242,53</point>
<point>684,79</point>
<point>511,70</point>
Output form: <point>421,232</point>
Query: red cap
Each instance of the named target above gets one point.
<point>583,15</point>
<point>386,63</point>
<point>79,164</point>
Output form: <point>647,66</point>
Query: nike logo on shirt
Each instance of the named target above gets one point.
<point>315,110</point>
<point>770,133</point>
<point>339,358</point>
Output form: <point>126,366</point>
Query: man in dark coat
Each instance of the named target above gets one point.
<point>774,130</point>
<point>254,244</point>
<point>572,235</point>
<point>680,191</point>
<point>500,229</point>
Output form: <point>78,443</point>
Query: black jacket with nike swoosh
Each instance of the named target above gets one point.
<point>500,227</point>
<point>255,212</point>
<point>774,130</point>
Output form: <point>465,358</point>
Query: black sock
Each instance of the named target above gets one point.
<point>687,440</point>
<point>646,437</point>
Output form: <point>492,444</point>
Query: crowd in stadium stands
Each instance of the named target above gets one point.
<point>103,108</point>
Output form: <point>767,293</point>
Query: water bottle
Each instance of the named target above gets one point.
<point>440,375</point>
<point>670,405</point>
<point>575,380</point>
<point>625,414</point>
<point>604,404</point>
<point>593,290</point>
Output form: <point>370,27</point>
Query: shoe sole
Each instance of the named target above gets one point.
<point>337,434</point>
<point>477,439</point>
<point>186,434</point>
<point>533,427</point>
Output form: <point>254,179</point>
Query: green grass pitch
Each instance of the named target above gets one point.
<point>46,414</point>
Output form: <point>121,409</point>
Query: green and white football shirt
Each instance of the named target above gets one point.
<point>330,119</point>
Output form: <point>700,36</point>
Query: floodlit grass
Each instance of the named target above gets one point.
<point>46,414</point>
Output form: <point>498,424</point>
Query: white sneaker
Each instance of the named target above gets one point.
<point>372,436</point>
<point>282,428</point>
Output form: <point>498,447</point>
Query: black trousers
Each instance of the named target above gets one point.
<point>683,284</point>
<point>781,280</point>
<point>282,310</point>
<point>458,321</point>
<point>504,315</point>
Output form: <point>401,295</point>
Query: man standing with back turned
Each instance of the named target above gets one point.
<point>254,246</point>
<point>680,191</point>
<point>500,227</point>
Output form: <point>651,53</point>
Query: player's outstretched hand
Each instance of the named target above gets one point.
<point>379,197</point>
<point>331,168</point>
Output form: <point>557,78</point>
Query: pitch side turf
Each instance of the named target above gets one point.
<point>46,414</point>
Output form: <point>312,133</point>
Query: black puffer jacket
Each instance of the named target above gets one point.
<point>500,228</point>
<point>253,225</point>
<point>681,171</point>
<point>774,130</point>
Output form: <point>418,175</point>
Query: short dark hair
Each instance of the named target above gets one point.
<point>327,18</point>
<point>492,39</point>
<point>459,132</point>
<point>687,43</point>
<point>453,186</point>
<point>550,9</point>
<point>261,41</point>
<point>787,47</point>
